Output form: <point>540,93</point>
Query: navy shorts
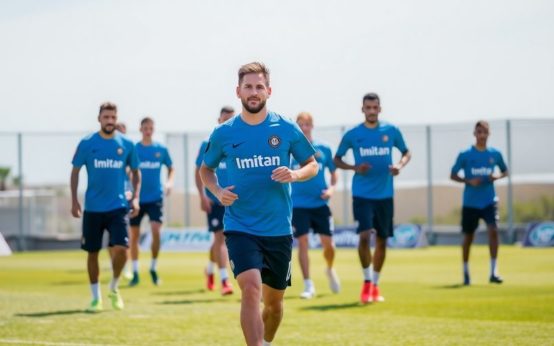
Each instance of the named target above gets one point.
<point>471,216</point>
<point>155,211</point>
<point>375,214</point>
<point>318,219</point>
<point>94,223</point>
<point>270,255</point>
<point>215,218</point>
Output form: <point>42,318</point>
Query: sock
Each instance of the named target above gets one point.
<point>95,290</point>
<point>113,284</point>
<point>308,284</point>
<point>135,266</point>
<point>375,278</point>
<point>153,264</point>
<point>210,267</point>
<point>265,343</point>
<point>466,268</point>
<point>493,266</point>
<point>223,274</point>
<point>367,273</point>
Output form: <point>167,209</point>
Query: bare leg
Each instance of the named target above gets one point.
<point>93,267</point>
<point>328,249</point>
<point>250,283</point>
<point>303,258</point>
<point>380,254</point>
<point>466,245</point>
<point>273,311</point>
<point>220,250</point>
<point>364,252</point>
<point>118,260</point>
<point>155,246</point>
<point>134,241</point>
<point>493,241</point>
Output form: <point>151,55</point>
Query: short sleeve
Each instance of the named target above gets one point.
<point>200,155</point>
<point>80,156</point>
<point>399,141</point>
<point>213,154</point>
<point>133,160</point>
<point>459,164</point>
<point>345,144</point>
<point>301,149</point>
<point>500,162</point>
<point>330,164</point>
<point>167,159</point>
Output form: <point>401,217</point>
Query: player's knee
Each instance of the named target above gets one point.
<point>364,239</point>
<point>274,306</point>
<point>251,291</point>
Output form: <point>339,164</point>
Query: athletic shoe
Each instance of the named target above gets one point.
<point>155,279</point>
<point>495,279</point>
<point>375,296</point>
<point>365,296</point>
<point>226,288</point>
<point>127,274</point>
<point>308,293</point>
<point>334,282</point>
<point>95,306</point>
<point>135,280</point>
<point>467,280</point>
<point>209,281</point>
<point>117,301</point>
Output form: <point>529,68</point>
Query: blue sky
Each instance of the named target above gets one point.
<point>431,61</point>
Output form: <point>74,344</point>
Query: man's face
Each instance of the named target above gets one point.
<point>107,120</point>
<point>306,126</point>
<point>481,134</point>
<point>253,92</point>
<point>223,117</point>
<point>371,110</point>
<point>147,129</point>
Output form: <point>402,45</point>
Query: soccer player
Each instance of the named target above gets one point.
<point>372,143</point>
<point>106,155</point>
<point>257,146</point>
<point>480,201</point>
<point>311,210</point>
<point>152,155</point>
<point>214,211</point>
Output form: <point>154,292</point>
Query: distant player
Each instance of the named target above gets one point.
<point>311,210</point>
<point>106,155</point>
<point>480,200</point>
<point>152,156</point>
<point>372,143</point>
<point>257,146</point>
<point>214,211</point>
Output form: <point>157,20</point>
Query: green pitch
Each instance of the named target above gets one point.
<point>43,295</point>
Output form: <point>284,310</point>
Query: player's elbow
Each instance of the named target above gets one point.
<point>313,170</point>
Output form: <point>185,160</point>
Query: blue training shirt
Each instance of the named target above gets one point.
<point>479,164</point>
<point>252,152</point>
<point>105,161</point>
<point>373,146</point>
<point>307,194</point>
<point>152,157</point>
<point>221,171</point>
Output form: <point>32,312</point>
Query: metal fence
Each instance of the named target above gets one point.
<point>36,201</point>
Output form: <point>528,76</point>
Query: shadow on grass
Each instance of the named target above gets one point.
<point>67,283</point>
<point>334,306</point>
<point>453,286</point>
<point>52,313</point>
<point>189,301</point>
<point>179,293</point>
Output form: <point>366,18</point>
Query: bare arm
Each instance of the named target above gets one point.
<point>225,195</point>
<point>406,157</point>
<point>135,182</point>
<point>328,192</point>
<point>473,182</point>
<point>74,184</point>
<point>361,168</point>
<point>205,202</point>
<point>170,179</point>
<point>308,169</point>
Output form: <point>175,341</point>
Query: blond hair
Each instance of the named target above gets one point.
<point>254,67</point>
<point>305,116</point>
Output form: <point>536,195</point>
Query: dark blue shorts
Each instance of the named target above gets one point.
<point>215,218</point>
<point>270,255</point>
<point>375,214</point>
<point>94,224</point>
<point>471,216</point>
<point>318,219</point>
<point>155,211</point>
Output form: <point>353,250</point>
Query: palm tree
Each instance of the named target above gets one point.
<point>4,172</point>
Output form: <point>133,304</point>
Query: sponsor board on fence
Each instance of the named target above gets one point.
<point>196,239</point>
<point>539,234</point>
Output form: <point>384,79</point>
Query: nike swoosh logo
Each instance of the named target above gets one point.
<point>237,144</point>
<point>360,140</point>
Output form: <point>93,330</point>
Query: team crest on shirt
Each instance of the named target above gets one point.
<point>491,160</point>
<point>158,154</point>
<point>274,141</point>
<point>119,151</point>
<point>385,138</point>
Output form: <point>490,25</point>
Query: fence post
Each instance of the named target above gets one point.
<point>431,235</point>
<point>186,177</point>
<point>21,237</point>
<point>511,230</point>
<point>345,189</point>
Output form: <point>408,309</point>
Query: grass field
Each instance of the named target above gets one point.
<point>43,294</point>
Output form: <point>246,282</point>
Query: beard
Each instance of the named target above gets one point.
<point>108,129</point>
<point>372,119</point>
<point>253,110</point>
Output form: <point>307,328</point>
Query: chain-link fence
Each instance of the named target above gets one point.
<point>35,169</point>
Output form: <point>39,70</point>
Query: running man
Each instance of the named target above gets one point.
<point>480,200</point>
<point>106,155</point>
<point>257,146</point>
<point>372,187</point>
<point>310,201</point>
<point>152,156</point>
<point>214,211</point>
